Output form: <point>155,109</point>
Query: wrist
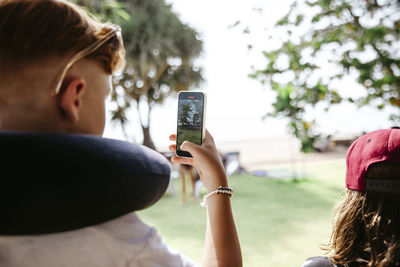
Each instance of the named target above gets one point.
<point>227,191</point>
<point>214,177</point>
<point>215,183</point>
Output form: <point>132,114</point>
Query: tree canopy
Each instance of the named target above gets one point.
<point>358,38</point>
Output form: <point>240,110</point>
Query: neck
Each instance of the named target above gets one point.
<point>27,122</point>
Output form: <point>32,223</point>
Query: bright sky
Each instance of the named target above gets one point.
<point>237,103</point>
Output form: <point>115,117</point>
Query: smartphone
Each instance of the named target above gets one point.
<point>191,120</point>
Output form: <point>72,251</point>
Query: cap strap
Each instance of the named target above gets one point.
<point>389,186</point>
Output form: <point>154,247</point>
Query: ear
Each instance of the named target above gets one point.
<point>71,99</point>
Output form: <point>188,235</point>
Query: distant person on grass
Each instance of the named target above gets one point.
<point>56,63</point>
<point>366,230</point>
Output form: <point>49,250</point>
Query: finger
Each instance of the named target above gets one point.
<point>189,147</point>
<point>172,148</point>
<point>172,137</point>
<point>181,160</point>
<point>208,137</point>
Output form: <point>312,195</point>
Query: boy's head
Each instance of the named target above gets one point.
<point>56,62</point>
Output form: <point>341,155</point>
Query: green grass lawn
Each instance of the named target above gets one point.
<point>280,222</point>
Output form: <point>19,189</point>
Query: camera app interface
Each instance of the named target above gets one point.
<point>190,119</point>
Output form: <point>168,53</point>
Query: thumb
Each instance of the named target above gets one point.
<point>189,147</point>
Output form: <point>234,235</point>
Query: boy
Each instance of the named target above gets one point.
<point>56,64</point>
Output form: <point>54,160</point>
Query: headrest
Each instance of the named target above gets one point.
<point>56,182</point>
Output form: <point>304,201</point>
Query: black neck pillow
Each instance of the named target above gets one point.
<point>55,182</point>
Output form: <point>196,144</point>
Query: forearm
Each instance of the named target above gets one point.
<point>222,244</point>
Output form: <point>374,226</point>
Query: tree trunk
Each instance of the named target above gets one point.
<point>147,141</point>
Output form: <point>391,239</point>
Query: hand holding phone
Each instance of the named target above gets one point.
<point>191,120</point>
<point>205,159</point>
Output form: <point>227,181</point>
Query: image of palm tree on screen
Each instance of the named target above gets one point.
<point>190,114</point>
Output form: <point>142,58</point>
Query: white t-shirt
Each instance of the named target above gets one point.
<point>125,241</point>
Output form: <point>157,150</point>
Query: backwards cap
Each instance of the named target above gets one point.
<point>377,146</point>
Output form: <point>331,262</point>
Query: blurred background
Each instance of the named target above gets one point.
<point>290,85</point>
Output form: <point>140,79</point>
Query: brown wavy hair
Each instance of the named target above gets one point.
<point>33,30</point>
<point>366,227</point>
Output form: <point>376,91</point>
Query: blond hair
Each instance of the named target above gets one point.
<point>33,30</point>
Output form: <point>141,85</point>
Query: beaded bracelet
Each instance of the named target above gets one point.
<point>220,190</point>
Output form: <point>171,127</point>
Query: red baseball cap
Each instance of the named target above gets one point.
<point>377,146</point>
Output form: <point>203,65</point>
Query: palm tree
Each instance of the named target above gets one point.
<point>160,53</point>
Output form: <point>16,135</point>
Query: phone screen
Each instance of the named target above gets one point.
<point>190,120</point>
